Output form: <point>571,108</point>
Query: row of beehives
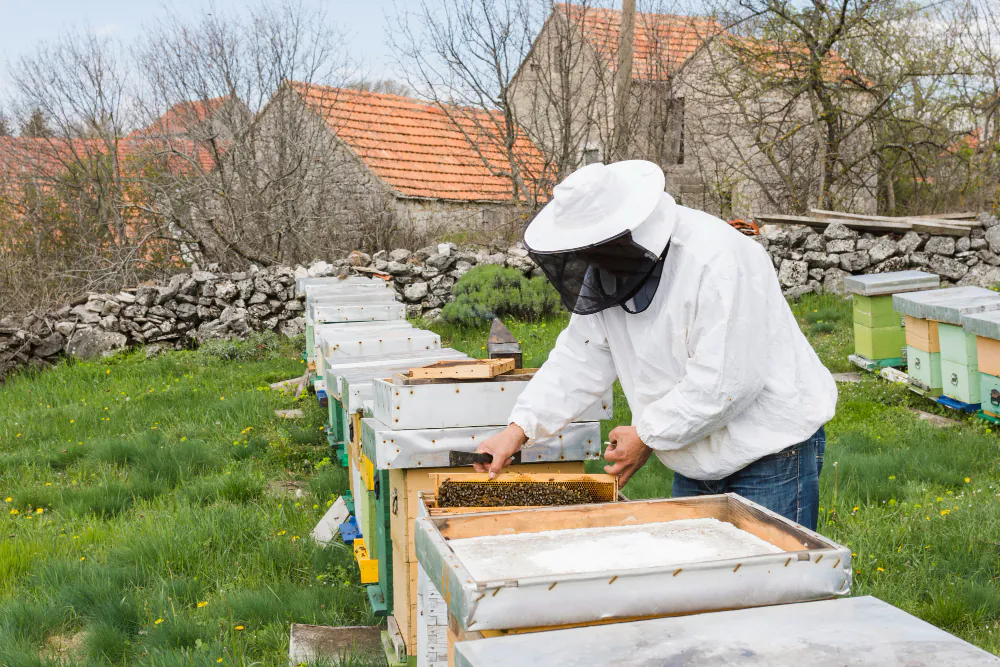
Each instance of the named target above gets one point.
<point>395,437</point>
<point>951,336</point>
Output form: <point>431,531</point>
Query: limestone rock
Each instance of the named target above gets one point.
<point>814,242</point>
<point>440,261</point>
<point>793,273</point>
<point>888,266</point>
<point>993,239</point>
<point>415,292</point>
<point>940,245</point>
<point>358,258</point>
<point>983,275</point>
<point>839,230</point>
<point>882,249</point>
<point>94,343</point>
<point>395,268</point>
<point>833,281</point>
<point>821,259</point>
<point>988,220</point>
<point>947,267</point>
<point>50,345</point>
<point>840,245</point>
<point>963,244</point>
<point>399,255</point>
<point>910,242</point>
<point>854,262</point>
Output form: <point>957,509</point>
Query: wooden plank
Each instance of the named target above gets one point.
<point>965,215</point>
<point>336,645</point>
<point>822,223</point>
<point>463,369</point>
<point>917,224</point>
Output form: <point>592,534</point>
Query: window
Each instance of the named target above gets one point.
<point>591,156</point>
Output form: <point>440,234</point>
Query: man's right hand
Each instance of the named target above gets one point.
<point>502,446</point>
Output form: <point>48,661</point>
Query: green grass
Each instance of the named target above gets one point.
<point>919,506</point>
<point>142,528</point>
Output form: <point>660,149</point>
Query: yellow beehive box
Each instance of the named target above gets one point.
<point>367,566</point>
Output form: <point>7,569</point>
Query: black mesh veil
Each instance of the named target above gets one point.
<point>601,276</point>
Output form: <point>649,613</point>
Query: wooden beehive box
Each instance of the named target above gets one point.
<point>923,353</point>
<point>959,354</point>
<point>985,327</point>
<point>878,332</point>
<point>405,485</point>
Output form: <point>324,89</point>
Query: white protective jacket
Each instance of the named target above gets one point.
<point>716,370</point>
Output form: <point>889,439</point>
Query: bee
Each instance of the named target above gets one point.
<point>514,494</point>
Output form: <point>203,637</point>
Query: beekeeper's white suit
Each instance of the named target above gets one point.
<point>715,369</point>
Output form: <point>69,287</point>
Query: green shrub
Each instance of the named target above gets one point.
<point>258,346</point>
<point>492,291</point>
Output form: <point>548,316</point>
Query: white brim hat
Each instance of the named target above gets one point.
<point>597,203</point>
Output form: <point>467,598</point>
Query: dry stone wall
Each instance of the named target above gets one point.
<point>811,261</point>
<point>198,305</point>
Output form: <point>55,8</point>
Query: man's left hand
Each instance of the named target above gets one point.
<point>626,454</point>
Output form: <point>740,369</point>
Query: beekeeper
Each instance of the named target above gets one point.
<point>688,314</point>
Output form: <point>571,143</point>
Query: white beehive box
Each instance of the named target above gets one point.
<point>322,312</point>
<point>336,344</point>
<point>801,565</point>
<point>458,404</point>
<point>429,448</point>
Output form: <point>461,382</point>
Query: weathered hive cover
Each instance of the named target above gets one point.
<point>986,324</point>
<point>915,304</point>
<point>861,631</point>
<point>952,310</point>
<point>877,284</point>
<point>501,344</point>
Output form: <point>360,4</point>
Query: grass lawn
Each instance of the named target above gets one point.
<point>151,514</point>
<point>152,517</point>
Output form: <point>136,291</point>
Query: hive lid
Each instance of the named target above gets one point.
<point>985,324</point>
<point>861,631</point>
<point>952,310</point>
<point>877,284</point>
<point>915,304</point>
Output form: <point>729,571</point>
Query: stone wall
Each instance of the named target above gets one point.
<point>809,261</point>
<point>203,304</point>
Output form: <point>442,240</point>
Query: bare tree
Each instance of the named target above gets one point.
<point>463,56</point>
<point>232,190</point>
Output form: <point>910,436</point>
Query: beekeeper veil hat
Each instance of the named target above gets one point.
<point>602,238</point>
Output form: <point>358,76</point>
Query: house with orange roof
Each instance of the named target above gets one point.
<point>430,168</point>
<point>687,79</point>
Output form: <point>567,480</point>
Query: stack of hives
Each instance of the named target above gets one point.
<point>415,424</point>
<point>879,336</point>
<point>942,358</point>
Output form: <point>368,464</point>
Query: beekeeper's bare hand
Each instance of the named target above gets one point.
<point>502,446</point>
<point>626,454</point>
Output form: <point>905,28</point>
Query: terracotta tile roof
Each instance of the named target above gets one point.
<point>182,117</point>
<point>787,60</point>
<point>663,42</point>
<point>420,149</point>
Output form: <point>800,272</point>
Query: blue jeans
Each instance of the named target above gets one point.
<point>786,482</point>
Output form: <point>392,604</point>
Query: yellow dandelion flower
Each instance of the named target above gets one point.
<point>967,480</point>
<point>71,421</point>
<point>315,507</point>
<point>281,532</point>
<point>39,511</point>
<point>945,512</point>
<point>880,569</point>
<point>184,438</point>
<point>14,511</point>
<point>203,603</point>
<point>107,371</point>
<point>222,398</point>
<point>892,477</point>
<point>219,660</point>
<point>158,621</point>
<point>83,558</point>
<point>8,499</point>
<point>48,483</point>
<point>294,537</point>
<point>856,508</point>
<point>239,627</point>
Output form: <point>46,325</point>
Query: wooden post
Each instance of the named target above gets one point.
<point>623,80</point>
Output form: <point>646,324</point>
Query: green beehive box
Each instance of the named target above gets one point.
<point>987,385</point>
<point>956,345</point>
<point>310,341</point>
<point>925,367</point>
<point>879,343</point>
<point>875,311</point>
<point>383,537</point>
<point>960,381</point>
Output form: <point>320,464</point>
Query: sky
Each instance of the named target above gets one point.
<point>25,23</point>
